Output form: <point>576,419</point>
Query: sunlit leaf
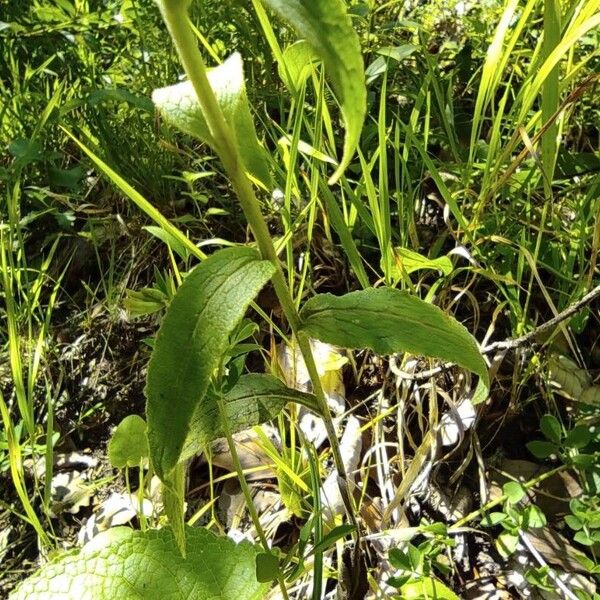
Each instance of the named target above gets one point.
<point>325,25</point>
<point>179,106</point>
<point>387,320</point>
<point>191,341</point>
<point>123,563</point>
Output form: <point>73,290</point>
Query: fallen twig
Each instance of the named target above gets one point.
<point>510,344</point>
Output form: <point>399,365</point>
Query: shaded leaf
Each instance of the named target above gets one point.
<point>254,399</point>
<point>579,437</point>
<point>542,449</point>
<point>179,106</point>
<point>551,428</point>
<point>190,343</point>
<point>123,563</point>
<point>267,567</point>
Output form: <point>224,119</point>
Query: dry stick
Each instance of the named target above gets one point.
<point>571,98</point>
<point>551,573</point>
<point>512,344</point>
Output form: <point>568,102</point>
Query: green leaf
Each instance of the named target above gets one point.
<point>533,517</point>
<point>146,301</point>
<point>579,437</point>
<point>190,343</point>
<point>551,428</point>
<point>507,543</point>
<point>514,491</point>
<point>297,62</point>
<point>128,445</point>
<point>585,461</point>
<point>573,522</point>
<point>542,449</point>
<point>398,53</point>
<point>492,519</point>
<point>407,261</point>
<point>387,320</point>
<point>178,105</point>
<point>327,28</point>
<point>400,560</point>
<point>123,563</point>
<point>583,538</point>
<point>170,240</point>
<point>337,533</point>
<point>427,588</point>
<point>267,567</point>
<point>254,399</point>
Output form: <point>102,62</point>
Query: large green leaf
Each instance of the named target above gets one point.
<point>389,320</point>
<point>254,399</point>
<point>179,106</point>
<point>327,28</point>
<point>191,341</point>
<point>126,564</point>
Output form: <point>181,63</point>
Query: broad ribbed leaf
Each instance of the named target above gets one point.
<point>179,106</point>
<point>387,320</point>
<point>327,28</point>
<point>191,341</point>
<point>254,399</point>
<point>123,563</point>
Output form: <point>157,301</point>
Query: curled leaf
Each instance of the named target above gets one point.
<point>178,105</point>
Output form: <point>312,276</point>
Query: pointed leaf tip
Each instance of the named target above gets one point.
<point>326,26</point>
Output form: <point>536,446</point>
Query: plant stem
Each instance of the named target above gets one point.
<point>501,499</point>
<point>245,489</point>
<point>173,12</point>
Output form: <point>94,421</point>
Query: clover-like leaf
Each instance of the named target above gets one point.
<point>387,320</point>
<point>178,105</point>
<point>123,563</point>
<point>325,25</point>
<point>190,344</point>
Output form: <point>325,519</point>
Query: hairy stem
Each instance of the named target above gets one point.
<point>173,12</point>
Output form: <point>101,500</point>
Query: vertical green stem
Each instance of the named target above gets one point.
<point>173,12</point>
<point>245,489</point>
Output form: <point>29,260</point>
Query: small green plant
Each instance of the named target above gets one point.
<point>419,564</point>
<point>191,398</point>
<point>513,518</point>
<point>577,448</point>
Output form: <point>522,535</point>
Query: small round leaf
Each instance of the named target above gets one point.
<point>128,445</point>
<point>551,428</point>
<point>541,449</point>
